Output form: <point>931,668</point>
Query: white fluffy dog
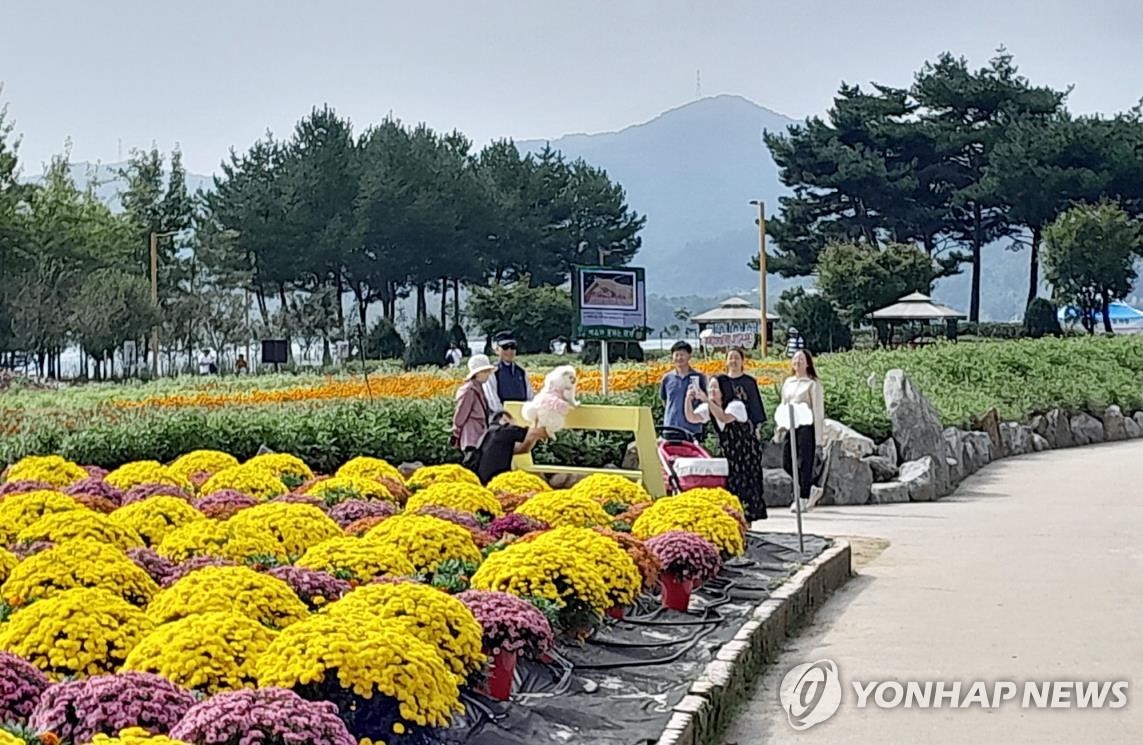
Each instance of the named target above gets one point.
<point>550,407</point>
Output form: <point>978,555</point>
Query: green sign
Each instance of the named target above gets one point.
<point>610,303</point>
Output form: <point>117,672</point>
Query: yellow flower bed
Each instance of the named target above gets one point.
<point>547,570</point>
<point>618,570</point>
<point>356,559</point>
<point>146,472</point>
<point>517,483</point>
<point>78,563</point>
<point>369,657</point>
<point>79,632</point>
<point>609,487</point>
<point>205,652</point>
<point>59,527</point>
<point>370,468</point>
<point>456,495</point>
<point>428,614</point>
<point>18,511</point>
<point>260,597</point>
<point>253,481</point>
<point>295,527</point>
<point>427,541</point>
<point>565,507</point>
<point>7,739</point>
<point>694,515</point>
<point>427,475</point>
<point>720,497</point>
<point>339,488</point>
<point>155,517</point>
<point>8,562</point>
<point>214,538</point>
<point>284,466</point>
<point>133,736</point>
<point>50,469</point>
<point>202,461</point>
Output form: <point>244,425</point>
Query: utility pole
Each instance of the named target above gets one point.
<point>155,299</point>
<point>763,335</point>
<point>604,362</point>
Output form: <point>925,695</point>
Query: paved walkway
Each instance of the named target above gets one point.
<point>1033,570</point>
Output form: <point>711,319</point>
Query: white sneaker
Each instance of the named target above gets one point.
<point>805,506</point>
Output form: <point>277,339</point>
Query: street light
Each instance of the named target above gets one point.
<point>155,297</point>
<point>763,335</point>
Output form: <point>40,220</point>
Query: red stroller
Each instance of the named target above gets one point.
<point>687,464</point>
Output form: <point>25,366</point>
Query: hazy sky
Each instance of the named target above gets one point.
<point>209,74</point>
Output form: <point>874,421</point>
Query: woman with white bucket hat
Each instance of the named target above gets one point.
<point>470,418</point>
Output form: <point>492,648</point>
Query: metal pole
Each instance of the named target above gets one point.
<point>764,335</point>
<point>794,475</point>
<point>155,301</point>
<point>604,362</point>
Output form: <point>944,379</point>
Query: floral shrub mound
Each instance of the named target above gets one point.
<point>262,598</point>
<point>315,588</point>
<point>425,613</point>
<point>261,483</point>
<point>59,527</point>
<point>146,491</point>
<point>134,736</point>
<point>146,472</point>
<point>515,524</point>
<point>8,562</point>
<point>205,652</point>
<point>291,469</point>
<point>457,495</point>
<point>644,558</point>
<point>720,497</point>
<point>685,555</point>
<point>340,488</point>
<point>694,515</point>
<point>352,510</point>
<point>428,475</point>
<point>156,567</point>
<point>155,517</point>
<point>268,716</point>
<point>612,489</point>
<point>19,511</point>
<point>224,504</point>
<point>193,564</point>
<point>356,559</point>
<point>48,469</point>
<point>75,633</point>
<point>295,527</point>
<point>79,563</point>
<point>19,487</point>
<point>517,483</point>
<point>370,468</point>
<point>21,684</point>
<point>377,674</point>
<point>77,710</point>
<point>214,538</point>
<point>510,624</point>
<point>617,570</point>
<point>428,542</point>
<point>96,486</point>
<point>7,738</point>
<point>198,462</point>
<point>95,503</point>
<point>565,507</point>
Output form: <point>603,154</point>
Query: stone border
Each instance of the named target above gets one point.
<point>710,703</point>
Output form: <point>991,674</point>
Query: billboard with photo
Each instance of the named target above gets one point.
<point>610,303</point>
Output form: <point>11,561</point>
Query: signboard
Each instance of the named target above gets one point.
<point>610,304</point>
<point>744,339</point>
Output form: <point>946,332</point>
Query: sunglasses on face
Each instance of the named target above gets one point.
<point>509,345</point>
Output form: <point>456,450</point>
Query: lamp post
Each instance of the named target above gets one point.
<point>155,298</point>
<point>763,335</point>
<point>604,361</point>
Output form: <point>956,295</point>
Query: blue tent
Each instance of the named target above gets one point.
<point>1123,316</point>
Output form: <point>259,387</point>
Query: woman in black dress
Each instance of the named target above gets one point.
<point>741,448</point>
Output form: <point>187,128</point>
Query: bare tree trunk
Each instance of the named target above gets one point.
<point>974,301</point>
<point>444,302</point>
<point>422,306</point>
<point>456,302</point>
<point>1106,310</point>
<point>1034,265</point>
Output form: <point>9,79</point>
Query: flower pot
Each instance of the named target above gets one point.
<point>615,612</point>
<point>501,675</point>
<point>676,592</point>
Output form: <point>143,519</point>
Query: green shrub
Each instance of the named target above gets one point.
<point>1041,319</point>
<point>815,319</point>
<point>456,335</point>
<point>384,342</point>
<point>427,344</point>
<point>617,351</point>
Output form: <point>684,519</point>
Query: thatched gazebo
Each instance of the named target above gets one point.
<point>916,312</point>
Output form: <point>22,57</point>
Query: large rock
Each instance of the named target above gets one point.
<point>1139,420</point>
<point>954,449</point>
<point>888,451</point>
<point>1133,429</point>
<point>978,451</point>
<point>889,493</point>
<point>1039,443</point>
<point>1057,430</point>
<point>772,455</point>
<point>777,488</point>
<point>1086,429</point>
<point>408,468</point>
<point>883,470</point>
<point>917,427</point>
<point>1016,439</point>
<point>852,442</point>
<point>1114,426</point>
<point>917,476</point>
<point>565,480</point>
<point>990,424</point>
<point>848,480</point>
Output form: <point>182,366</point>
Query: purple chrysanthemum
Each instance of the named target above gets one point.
<point>193,564</point>
<point>314,587</point>
<point>352,510</point>
<point>296,498</point>
<point>157,567</point>
<point>146,491</point>
<point>95,471</point>
<point>685,555</point>
<point>224,504</point>
<point>510,624</point>
<point>21,684</point>
<point>98,487</point>
<point>21,487</point>
<point>463,519</point>
<point>78,710</point>
<point>24,550</point>
<point>267,716</point>
<point>515,524</point>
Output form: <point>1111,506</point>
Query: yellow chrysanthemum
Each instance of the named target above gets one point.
<point>697,516</point>
<point>77,563</point>
<point>18,511</point>
<point>146,472</point>
<point>356,559</point>
<point>426,475</point>
<point>456,495</point>
<point>618,570</point>
<point>295,527</point>
<point>369,657</point>
<point>222,539</point>
<point>205,652</point>
<point>155,517</point>
<point>59,527</point>
<point>78,632</point>
<point>134,736</point>
<point>9,739</point>
<point>428,542</point>
<point>610,487</point>
<point>716,496</point>
<point>289,468</point>
<point>340,488</point>
<point>517,483</point>
<point>370,468</point>
<point>546,570</point>
<point>49,469</point>
<point>260,597</point>
<point>565,507</point>
<point>255,481</point>
<point>202,461</point>
<point>428,614</point>
<point>8,562</point>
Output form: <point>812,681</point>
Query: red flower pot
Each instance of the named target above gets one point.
<point>676,592</point>
<point>501,675</point>
<point>616,612</point>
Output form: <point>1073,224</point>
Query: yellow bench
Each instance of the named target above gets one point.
<point>634,419</point>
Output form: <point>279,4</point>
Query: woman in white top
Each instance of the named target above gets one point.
<point>743,451</point>
<point>804,387</point>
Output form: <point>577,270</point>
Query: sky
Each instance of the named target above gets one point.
<point>209,75</point>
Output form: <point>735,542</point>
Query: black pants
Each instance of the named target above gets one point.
<point>807,449</point>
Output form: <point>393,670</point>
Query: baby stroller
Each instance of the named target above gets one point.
<point>686,464</point>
